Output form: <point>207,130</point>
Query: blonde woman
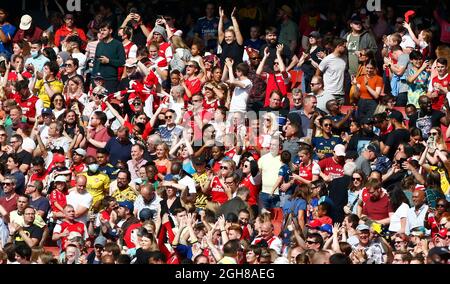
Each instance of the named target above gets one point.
<point>162,160</point>
<point>270,128</point>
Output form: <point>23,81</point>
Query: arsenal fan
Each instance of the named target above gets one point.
<point>28,102</point>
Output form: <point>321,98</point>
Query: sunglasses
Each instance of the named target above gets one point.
<point>246,166</point>
<point>223,168</point>
<point>327,125</point>
<point>7,183</point>
<point>254,58</point>
<point>191,65</point>
<point>358,179</point>
<point>398,242</point>
<point>440,205</point>
<point>313,84</point>
<point>432,133</point>
<point>137,104</point>
<point>311,242</point>
<point>169,117</point>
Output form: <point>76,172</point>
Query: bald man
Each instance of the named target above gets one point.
<point>268,236</point>
<point>148,199</point>
<point>417,213</point>
<point>80,199</point>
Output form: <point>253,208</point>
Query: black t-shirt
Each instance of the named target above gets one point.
<point>24,157</point>
<point>32,231</point>
<point>426,121</point>
<point>41,203</point>
<point>359,140</point>
<point>394,139</point>
<point>233,50</point>
<point>286,55</point>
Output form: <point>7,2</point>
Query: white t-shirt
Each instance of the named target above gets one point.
<point>76,199</point>
<point>333,69</point>
<point>81,62</point>
<point>240,97</point>
<point>401,212</point>
<point>28,145</point>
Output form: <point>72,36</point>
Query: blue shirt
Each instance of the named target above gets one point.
<point>37,62</point>
<point>293,206</point>
<point>325,146</point>
<point>118,151</point>
<point>9,31</point>
<point>206,27</point>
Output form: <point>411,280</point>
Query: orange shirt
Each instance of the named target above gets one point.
<point>374,82</point>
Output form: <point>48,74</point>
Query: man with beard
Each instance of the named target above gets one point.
<point>98,182</point>
<point>37,200</point>
<point>68,29</point>
<point>288,30</point>
<point>119,148</point>
<point>426,117</point>
<point>38,172</point>
<point>29,103</point>
<point>6,32</point>
<point>27,30</point>
<point>377,207</point>
<point>109,56</point>
<point>97,134</point>
<point>124,192</point>
<point>271,43</point>
<point>71,125</point>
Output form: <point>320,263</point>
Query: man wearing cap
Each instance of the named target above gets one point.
<point>395,138</point>
<point>78,165</point>
<point>368,155</point>
<point>366,251</point>
<point>109,56</point>
<point>67,30</point>
<point>357,40</point>
<point>6,33</point>
<point>125,216</point>
<point>289,30</point>
<point>27,30</point>
<point>80,199</point>
<point>62,231</point>
<point>96,255</point>
<point>332,167</point>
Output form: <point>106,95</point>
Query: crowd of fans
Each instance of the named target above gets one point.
<point>314,139</point>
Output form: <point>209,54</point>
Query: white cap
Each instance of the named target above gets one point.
<point>25,22</point>
<point>80,152</point>
<point>60,178</point>
<point>339,150</point>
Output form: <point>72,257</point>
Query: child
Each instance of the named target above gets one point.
<point>322,211</point>
<point>58,196</point>
<point>284,174</point>
<point>196,51</point>
<point>422,41</point>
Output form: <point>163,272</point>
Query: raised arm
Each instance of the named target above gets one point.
<point>280,59</point>
<point>237,31</point>
<point>221,34</point>
<point>263,61</point>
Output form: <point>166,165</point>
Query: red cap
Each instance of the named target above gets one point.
<point>314,224</point>
<point>442,233</point>
<point>408,14</point>
<point>59,158</point>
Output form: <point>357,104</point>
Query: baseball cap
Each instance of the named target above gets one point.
<point>339,150</point>
<point>315,34</point>
<point>73,235</point>
<point>130,62</point>
<point>314,224</point>
<point>98,76</point>
<point>362,227</point>
<point>100,240</point>
<point>59,158</point>
<point>373,148</point>
<point>169,177</point>
<point>60,178</point>
<point>146,214</point>
<point>47,111</point>
<point>326,228</point>
<point>25,22</point>
<point>200,160</point>
<point>356,19</point>
<point>127,204</point>
<point>287,10</point>
<point>396,115</point>
<point>418,231</point>
<point>441,251</point>
<point>80,152</point>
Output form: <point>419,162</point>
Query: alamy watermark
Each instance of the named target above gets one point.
<point>373,5</point>
<point>73,5</point>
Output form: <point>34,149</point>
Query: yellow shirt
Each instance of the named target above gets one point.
<point>18,219</point>
<point>270,167</point>
<point>126,194</point>
<point>97,185</point>
<point>56,86</point>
